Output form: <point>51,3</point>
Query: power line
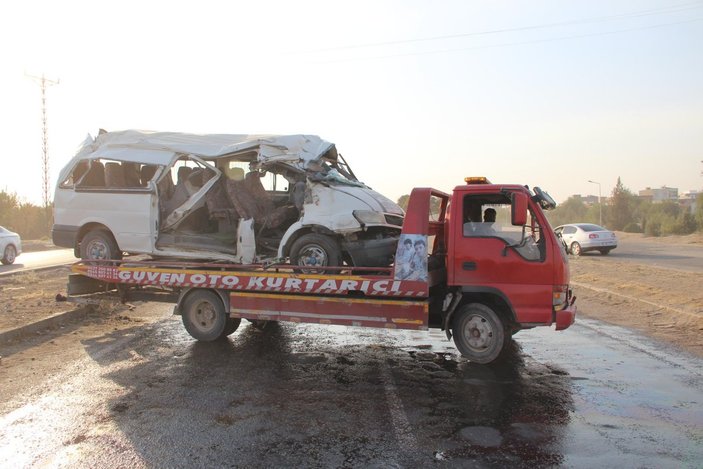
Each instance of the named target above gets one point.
<point>598,19</point>
<point>517,43</point>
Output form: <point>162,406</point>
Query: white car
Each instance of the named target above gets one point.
<point>10,246</point>
<point>583,237</point>
<point>229,198</point>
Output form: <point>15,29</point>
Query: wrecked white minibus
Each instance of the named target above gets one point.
<point>231,198</point>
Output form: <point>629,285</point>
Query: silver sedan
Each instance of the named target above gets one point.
<point>583,237</point>
<point>10,245</point>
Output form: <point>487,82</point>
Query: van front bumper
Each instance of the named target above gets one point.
<point>372,252</point>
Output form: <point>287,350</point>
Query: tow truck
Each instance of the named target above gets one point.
<point>480,281</point>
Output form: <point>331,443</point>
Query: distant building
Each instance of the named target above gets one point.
<point>688,200</point>
<point>660,195</point>
<point>587,199</point>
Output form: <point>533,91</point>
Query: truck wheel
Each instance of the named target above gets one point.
<point>478,333</point>
<point>315,250</point>
<point>575,249</point>
<point>9,255</point>
<point>99,244</point>
<point>204,316</point>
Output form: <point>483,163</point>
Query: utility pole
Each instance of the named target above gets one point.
<point>600,204</point>
<point>43,83</point>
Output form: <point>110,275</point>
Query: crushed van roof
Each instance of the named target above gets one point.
<point>159,148</point>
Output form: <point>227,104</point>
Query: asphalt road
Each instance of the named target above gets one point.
<point>652,253</point>
<point>38,260</point>
<point>680,257</point>
<point>332,396</point>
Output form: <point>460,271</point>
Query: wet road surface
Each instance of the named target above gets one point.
<point>331,396</point>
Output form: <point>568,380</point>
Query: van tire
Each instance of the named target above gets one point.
<point>99,245</point>
<point>315,249</point>
<point>478,333</point>
<point>204,317</point>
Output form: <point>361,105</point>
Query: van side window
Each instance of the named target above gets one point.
<point>95,176</point>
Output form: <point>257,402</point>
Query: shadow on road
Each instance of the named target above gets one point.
<point>290,395</point>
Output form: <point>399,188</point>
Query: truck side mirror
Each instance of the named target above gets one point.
<point>518,209</point>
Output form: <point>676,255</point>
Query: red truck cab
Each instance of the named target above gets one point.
<point>505,268</point>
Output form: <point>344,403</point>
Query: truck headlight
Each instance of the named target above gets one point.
<point>560,296</point>
<point>368,217</point>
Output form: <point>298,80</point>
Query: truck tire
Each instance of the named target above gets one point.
<point>315,250</point>
<point>10,254</point>
<point>99,245</point>
<point>479,333</point>
<point>204,317</point>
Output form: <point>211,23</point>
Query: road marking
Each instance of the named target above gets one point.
<point>401,426</point>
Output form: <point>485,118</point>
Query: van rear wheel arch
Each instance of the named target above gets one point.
<point>97,242</point>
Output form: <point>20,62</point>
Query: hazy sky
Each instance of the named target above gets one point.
<point>414,93</point>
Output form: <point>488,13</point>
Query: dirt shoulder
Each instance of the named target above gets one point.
<point>680,240</point>
<point>660,303</point>
<point>28,297</point>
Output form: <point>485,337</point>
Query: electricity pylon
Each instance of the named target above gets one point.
<point>43,83</point>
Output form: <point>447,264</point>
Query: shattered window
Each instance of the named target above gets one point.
<point>109,174</point>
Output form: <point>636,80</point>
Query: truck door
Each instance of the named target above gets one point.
<point>492,255</point>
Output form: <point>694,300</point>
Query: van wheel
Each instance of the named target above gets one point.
<point>315,250</point>
<point>479,333</point>
<point>9,255</point>
<point>99,244</point>
<point>204,317</point>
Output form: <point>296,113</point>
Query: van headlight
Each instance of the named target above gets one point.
<point>368,217</point>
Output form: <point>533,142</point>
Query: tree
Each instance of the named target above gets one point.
<point>30,221</point>
<point>571,211</point>
<point>621,207</point>
<point>403,201</point>
<point>434,203</point>
<point>699,211</point>
<point>8,209</point>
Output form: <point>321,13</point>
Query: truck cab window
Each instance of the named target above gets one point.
<point>489,216</point>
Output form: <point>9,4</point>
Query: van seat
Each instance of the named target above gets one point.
<point>114,175</point>
<point>95,177</point>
